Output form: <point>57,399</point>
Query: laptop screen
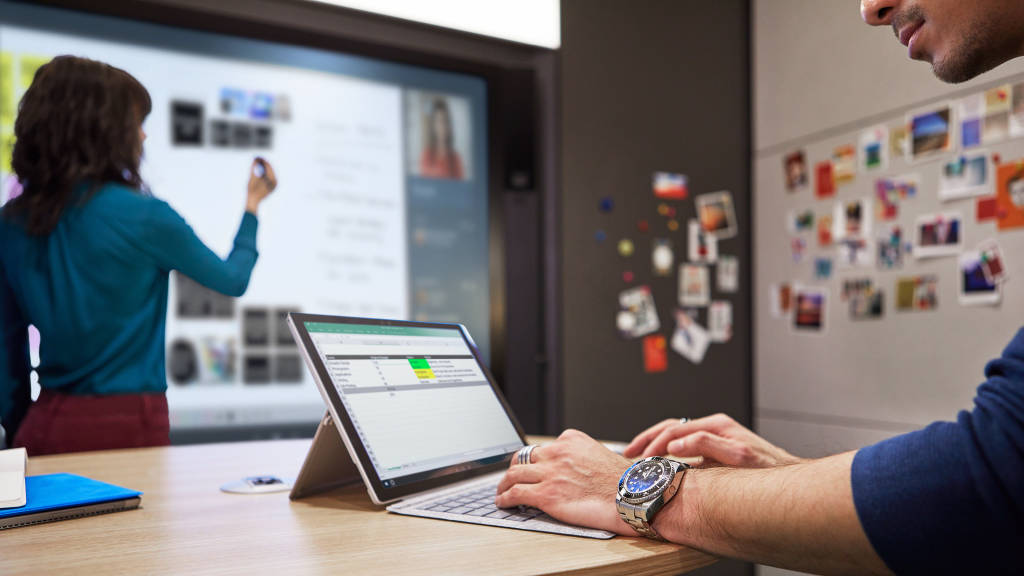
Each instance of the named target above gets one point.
<point>417,397</point>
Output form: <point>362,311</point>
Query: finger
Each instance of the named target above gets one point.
<point>520,475</point>
<point>712,446</point>
<point>541,454</point>
<point>636,447</point>
<point>520,495</point>
<point>716,424</point>
<point>271,175</point>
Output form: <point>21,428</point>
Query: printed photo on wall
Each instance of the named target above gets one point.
<point>889,192</point>
<point>866,302</point>
<point>824,186</point>
<point>800,221</point>
<point>655,354</point>
<point>1017,111</point>
<point>851,219</point>
<point>670,186</point>
<point>1010,195</point>
<point>874,148</point>
<point>890,247</point>
<point>822,268</point>
<point>809,305</point>
<point>851,231</point>
<point>717,214</point>
<point>728,274</point>
<point>720,321</point>
<point>701,246</point>
<point>899,141</point>
<point>938,235</point>
<point>992,262</point>
<point>794,165</point>
<point>797,247</point>
<point>996,124</point>
<point>851,286</point>
<point>662,257</point>
<point>637,315</point>
<point>930,133</point>
<point>844,164</point>
<point>825,223</point>
<point>690,340</point>
<point>694,285</point>
<point>781,299</point>
<point>965,177</point>
<point>917,293</point>
<point>975,288</point>
<point>971,111</point>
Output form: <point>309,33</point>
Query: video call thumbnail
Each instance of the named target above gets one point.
<point>438,135</point>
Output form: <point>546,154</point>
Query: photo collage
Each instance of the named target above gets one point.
<point>847,239</point>
<point>263,353</point>
<point>697,294</point>
<point>241,120</point>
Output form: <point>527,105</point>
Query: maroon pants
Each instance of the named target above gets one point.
<point>57,423</point>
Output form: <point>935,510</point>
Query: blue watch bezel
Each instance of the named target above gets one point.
<point>656,489</point>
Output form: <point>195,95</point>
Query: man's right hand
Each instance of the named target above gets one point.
<point>718,439</point>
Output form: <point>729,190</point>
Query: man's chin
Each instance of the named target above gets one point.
<point>954,72</point>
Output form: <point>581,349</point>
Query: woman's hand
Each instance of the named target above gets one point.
<point>259,186</point>
<point>718,439</point>
<point>574,479</point>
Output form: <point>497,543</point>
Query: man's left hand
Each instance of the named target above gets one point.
<point>574,479</point>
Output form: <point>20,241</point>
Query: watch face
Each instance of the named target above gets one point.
<point>645,479</point>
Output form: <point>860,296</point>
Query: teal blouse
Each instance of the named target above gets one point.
<point>96,289</point>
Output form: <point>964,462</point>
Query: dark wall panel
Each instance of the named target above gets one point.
<point>649,85</point>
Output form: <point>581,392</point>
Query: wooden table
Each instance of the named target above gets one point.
<point>187,526</point>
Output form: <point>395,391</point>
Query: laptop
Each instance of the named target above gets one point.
<point>421,420</point>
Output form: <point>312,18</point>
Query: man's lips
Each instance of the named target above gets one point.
<point>907,32</point>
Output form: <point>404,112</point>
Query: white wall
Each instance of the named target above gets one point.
<point>819,76</point>
<point>535,22</point>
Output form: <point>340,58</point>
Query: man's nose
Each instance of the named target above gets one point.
<point>878,12</point>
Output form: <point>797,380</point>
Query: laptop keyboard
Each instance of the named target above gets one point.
<point>474,503</point>
<point>480,502</point>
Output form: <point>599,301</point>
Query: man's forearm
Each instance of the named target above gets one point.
<point>799,516</point>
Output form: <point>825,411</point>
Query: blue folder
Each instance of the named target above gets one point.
<point>62,496</point>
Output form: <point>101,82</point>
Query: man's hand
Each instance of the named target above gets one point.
<point>718,439</point>
<point>574,479</point>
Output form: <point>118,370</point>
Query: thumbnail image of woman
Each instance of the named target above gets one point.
<point>439,158</point>
<point>85,256</point>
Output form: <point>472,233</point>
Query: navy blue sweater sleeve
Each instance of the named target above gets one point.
<point>14,361</point>
<point>173,244</point>
<point>950,498</point>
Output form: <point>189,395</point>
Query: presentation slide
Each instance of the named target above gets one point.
<point>381,210</point>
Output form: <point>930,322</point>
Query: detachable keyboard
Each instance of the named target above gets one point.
<point>473,502</point>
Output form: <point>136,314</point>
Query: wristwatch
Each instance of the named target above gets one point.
<point>645,488</point>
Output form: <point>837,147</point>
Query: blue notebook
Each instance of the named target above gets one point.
<point>53,497</point>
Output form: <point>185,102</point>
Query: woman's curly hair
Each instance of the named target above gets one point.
<point>78,123</point>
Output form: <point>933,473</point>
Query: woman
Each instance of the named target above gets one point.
<point>439,158</point>
<point>85,255</point>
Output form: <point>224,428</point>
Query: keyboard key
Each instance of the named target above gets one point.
<point>460,510</point>
<point>518,517</point>
<point>479,512</point>
<point>438,508</point>
<point>499,514</point>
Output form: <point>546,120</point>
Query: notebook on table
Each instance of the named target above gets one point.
<point>53,497</point>
<point>12,477</point>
